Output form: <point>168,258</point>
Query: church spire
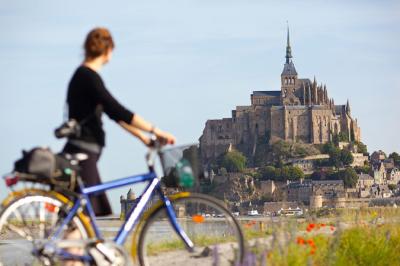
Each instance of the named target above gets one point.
<point>288,48</point>
<point>289,71</point>
<point>348,111</point>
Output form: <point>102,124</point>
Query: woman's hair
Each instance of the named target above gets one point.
<point>98,42</point>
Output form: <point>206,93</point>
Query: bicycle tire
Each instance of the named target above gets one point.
<point>31,217</point>
<point>207,233</point>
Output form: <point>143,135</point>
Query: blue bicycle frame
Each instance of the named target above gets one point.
<point>132,217</point>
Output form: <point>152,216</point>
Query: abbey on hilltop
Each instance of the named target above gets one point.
<point>301,111</point>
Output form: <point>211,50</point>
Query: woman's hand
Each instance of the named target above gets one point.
<point>164,137</point>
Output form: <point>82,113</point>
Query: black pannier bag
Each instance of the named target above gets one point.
<point>41,165</point>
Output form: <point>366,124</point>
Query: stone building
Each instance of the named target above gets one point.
<point>316,193</point>
<point>359,159</point>
<point>393,176</point>
<point>131,201</point>
<point>301,111</point>
<point>379,173</point>
<point>307,164</point>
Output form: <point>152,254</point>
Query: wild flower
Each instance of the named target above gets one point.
<point>300,240</point>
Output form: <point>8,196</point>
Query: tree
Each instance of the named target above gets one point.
<point>335,139</point>
<point>334,158</point>
<point>346,157</point>
<point>295,173</point>
<point>343,137</point>
<point>349,177</point>
<point>361,147</point>
<point>284,173</point>
<point>396,158</point>
<point>234,161</point>
<point>363,169</point>
<point>329,147</point>
<point>280,151</point>
<point>268,172</point>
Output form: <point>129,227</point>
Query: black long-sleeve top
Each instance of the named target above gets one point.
<point>87,98</point>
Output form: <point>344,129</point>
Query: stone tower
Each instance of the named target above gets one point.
<point>289,78</point>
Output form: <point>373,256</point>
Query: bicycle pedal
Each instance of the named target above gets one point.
<point>101,254</point>
<point>108,255</point>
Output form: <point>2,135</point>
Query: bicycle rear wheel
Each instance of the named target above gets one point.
<point>216,234</point>
<point>29,220</point>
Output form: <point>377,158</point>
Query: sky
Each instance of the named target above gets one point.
<point>178,63</point>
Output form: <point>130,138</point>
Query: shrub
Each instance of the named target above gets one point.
<point>346,157</point>
<point>396,158</point>
<point>234,161</point>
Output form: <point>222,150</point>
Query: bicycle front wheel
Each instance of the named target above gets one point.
<point>212,228</point>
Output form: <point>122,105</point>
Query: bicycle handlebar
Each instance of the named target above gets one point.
<point>154,148</point>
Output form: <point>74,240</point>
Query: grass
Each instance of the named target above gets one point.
<point>249,232</point>
<point>177,244</point>
<point>356,246</point>
<point>346,237</point>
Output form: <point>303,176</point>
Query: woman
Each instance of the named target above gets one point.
<point>87,99</point>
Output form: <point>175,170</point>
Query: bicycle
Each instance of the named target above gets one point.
<point>195,228</point>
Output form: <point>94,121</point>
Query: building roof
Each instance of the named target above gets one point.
<point>267,93</point>
<point>363,176</point>
<point>243,107</point>
<point>305,81</point>
<point>296,107</point>
<point>297,184</point>
<point>340,109</point>
<point>328,182</point>
<point>289,69</point>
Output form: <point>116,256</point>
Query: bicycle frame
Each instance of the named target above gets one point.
<point>132,217</point>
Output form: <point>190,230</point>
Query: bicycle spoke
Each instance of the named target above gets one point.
<point>19,231</point>
<point>21,218</point>
<point>41,221</point>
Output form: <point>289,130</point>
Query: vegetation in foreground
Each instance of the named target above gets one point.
<point>360,245</point>
<point>367,236</point>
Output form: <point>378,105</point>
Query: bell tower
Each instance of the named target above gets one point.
<point>289,77</point>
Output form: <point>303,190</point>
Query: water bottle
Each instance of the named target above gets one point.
<point>185,174</point>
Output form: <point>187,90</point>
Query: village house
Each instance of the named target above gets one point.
<point>380,191</point>
<point>364,184</point>
<point>379,173</point>
<point>393,176</point>
<point>304,191</point>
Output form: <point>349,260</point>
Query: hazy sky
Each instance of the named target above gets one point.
<point>179,63</point>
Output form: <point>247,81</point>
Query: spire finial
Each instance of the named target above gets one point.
<point>288,37</point>
<point>288,48</point>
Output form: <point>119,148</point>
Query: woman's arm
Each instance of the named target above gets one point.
<point>139,123</point>
<point>136,132</point>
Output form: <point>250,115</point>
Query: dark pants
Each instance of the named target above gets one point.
<point>90,176</point>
